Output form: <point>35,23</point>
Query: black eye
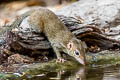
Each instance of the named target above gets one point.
<point>76,52</point>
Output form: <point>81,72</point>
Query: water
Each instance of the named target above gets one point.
<point>102,72</point>
<point>78,74</point>
<point>94,72</point>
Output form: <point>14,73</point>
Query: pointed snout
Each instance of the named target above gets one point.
<point>81,60</point>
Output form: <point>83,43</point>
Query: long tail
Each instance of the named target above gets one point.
<point>16,23</point>
<point>19,20</point>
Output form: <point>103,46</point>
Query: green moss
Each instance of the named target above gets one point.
<point>106,57</point>
<point>52,66</point>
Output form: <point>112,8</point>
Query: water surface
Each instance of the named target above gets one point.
<point>94,72</point>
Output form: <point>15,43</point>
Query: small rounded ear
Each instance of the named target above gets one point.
<point>70,45</point>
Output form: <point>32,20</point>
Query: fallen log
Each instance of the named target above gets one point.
<point>34,43</point>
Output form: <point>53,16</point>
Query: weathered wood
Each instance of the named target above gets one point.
<point>88,33</point>
<point>32,43</point>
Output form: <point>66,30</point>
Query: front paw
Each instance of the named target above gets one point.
<point>60,60</point>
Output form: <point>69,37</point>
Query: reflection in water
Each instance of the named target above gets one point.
<point>78,74</point>
<point>106,73</point>
<point>112,73</point>
<point>91,73</point>
<point>82,73</point>
<point>94,73</point>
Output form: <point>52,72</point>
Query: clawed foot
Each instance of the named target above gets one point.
<point>60,60</point>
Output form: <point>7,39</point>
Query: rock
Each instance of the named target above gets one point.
<point>103,13</point>
<point>17,58</point>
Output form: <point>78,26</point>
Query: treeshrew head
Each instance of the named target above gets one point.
<point>77,50</point>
